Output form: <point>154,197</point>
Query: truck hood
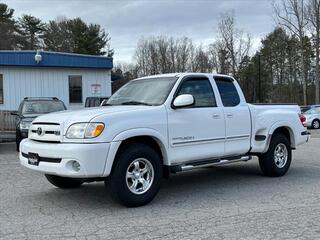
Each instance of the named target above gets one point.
<point>84,115</point>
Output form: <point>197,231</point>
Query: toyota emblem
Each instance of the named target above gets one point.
<point>39,131</point>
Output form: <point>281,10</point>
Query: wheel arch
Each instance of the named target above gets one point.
<point>283,129</point>
<point>146,136</point>
<point>286,131</point>
<point>149,140</point>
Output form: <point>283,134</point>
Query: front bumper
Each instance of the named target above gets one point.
<point>92,158</point>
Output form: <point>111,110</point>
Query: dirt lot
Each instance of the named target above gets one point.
<point>233,202</point>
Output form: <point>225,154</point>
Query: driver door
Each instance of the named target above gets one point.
<point>196,132</point>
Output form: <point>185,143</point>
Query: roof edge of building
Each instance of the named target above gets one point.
<point>26,58</point>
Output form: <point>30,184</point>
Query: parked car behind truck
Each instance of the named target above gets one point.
<point>312,116</point>
<point>29,109</point>
<point>95,101</point>
<point>158,125</point>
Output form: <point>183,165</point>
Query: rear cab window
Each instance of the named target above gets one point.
<point>228,91</point>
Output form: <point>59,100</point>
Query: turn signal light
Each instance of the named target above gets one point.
<point>94,130</point>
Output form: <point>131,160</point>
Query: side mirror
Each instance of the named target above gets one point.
<point>14,113</point>
<point>183,100</point>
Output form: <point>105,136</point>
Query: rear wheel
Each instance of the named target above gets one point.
<point>316,124</point>
<point>136,177</point>
<point>276,161</point>
<point>63,182</point>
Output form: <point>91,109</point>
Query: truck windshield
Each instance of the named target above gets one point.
<point>149,91</point>
<point>42,107</point>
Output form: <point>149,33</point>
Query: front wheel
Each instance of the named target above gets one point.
<point>276,161</point>
<point>63,182</point>
<point>136,177</point>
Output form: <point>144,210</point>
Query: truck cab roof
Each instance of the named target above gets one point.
<point>186,74</point>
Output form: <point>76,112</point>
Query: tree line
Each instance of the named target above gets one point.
<point>284,69</point>
<point>63,35</point>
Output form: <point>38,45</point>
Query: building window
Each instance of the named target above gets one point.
<point>1,89</point>
<point>75,89</point>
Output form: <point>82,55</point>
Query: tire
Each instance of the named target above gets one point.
<point>136,164</point>
<point>63,182</point>
<point>18,140</point>
<point>17,147</point>
<point>316,124</point>
<point>269,163</point>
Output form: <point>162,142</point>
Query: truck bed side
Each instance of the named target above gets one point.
<point>267,118</point>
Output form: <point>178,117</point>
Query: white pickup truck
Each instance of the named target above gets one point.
<point>157,125</point>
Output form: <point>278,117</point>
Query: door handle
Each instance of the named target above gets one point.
<point>229,115</point>
<point>215,116</point>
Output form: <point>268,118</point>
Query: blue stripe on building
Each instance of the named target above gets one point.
<point>54,59</point>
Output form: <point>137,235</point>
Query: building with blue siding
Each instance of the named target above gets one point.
<point>67,76</point>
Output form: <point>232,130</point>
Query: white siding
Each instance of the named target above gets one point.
<point>20,82</point>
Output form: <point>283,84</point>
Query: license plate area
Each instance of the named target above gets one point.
<point>33,159</point>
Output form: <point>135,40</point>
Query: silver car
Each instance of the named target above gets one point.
<point>312,115</point>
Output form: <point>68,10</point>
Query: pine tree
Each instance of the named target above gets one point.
<point>31,30</point>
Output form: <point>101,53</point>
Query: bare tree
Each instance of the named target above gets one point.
<point>161,54</point>
<point>291,14</point>
<point>314,19</point>
<point>163,48</point>
<point>200,61</point>
<point>235,41</point>
<point>219,59</point>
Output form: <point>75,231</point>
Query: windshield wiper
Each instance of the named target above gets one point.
<point>136,103</point>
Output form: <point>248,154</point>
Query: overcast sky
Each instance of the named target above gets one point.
<point>127,21</point>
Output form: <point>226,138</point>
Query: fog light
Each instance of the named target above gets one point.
<point>76,166</point>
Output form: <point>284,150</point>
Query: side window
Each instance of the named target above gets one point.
<point>1,89</point>
<point>75,89</point>
<point>201,90</point>
<point>228,92</point>
<point>318,110</point>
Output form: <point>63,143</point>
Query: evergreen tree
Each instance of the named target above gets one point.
<point>8,34</point>
<point>31,30</point>
<point>76,36</point>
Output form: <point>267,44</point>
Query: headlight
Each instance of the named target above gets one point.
<point>24,125</point>
<point>84,130</point>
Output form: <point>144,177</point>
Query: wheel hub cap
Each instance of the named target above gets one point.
<point>139,176</point>
<point>280,155</point>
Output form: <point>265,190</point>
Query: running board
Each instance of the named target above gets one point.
<point>207,163</point>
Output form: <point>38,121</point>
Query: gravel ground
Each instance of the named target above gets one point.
<point>232,202</point>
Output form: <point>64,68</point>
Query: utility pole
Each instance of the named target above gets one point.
<point>259,77</point>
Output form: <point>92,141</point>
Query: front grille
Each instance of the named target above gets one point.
<point>48,132</point>
<point>45,132</point>
<point>44,159</point>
